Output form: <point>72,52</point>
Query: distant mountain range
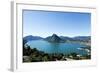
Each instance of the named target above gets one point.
<point>82,38</point>
<point>30,38</point>
<point>57,39</point>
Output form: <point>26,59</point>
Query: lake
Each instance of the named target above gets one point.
<point>65,48</point>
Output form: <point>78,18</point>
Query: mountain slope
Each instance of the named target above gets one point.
<point>66,38</point>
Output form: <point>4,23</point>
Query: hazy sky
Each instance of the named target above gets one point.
<point>45,23</point>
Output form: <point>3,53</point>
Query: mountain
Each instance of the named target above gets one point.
<point>77,38</point>
<point>30,38</point>
<point>58,39</point>
<point>82,38</point>
<point>66,38</point>
<point>54,38</point>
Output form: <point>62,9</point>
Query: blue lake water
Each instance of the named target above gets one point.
<point>65,48</point>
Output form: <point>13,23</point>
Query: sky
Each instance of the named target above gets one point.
<point>46,23</point>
